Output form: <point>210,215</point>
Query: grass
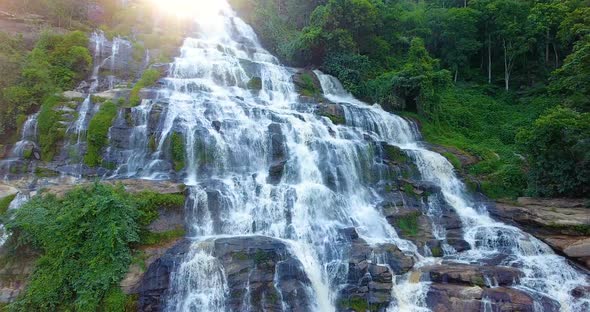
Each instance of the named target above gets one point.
<point>98,131</point>
<point>483,122</point>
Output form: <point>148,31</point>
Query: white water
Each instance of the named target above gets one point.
<point>327,178</point>
<point>546,273</point>
<point>28,136</point>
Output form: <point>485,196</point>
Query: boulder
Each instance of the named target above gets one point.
<point>263,266</point>
<point>307,83</point>
<point>564,224</point>
<point>332,111</point>
<point>454,273</point>
<point>278,155</point>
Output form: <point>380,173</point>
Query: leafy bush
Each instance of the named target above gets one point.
<point>84,238</point>
<point>98,133</point>
<point>558,151</point>
<point>5,203</point>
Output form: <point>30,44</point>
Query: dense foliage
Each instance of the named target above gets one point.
<point>85,240</point>
<point>510,60</point>
<point>58,62</point>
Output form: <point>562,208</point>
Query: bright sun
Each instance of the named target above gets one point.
<point>197,9</point>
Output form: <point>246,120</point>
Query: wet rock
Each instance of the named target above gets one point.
<point>265,267</point>
<point>255,84</point>
<point>278,157</point>
<point>449,298</point>
<point>581,292</point>
<point>73,95</point>
<point>509,299</point>
<point>334,112</point>
<point>155,283</point>
<point>307,84</point>
<point>112,95</point>
<point>564,224</point>
<point>371,270</point>
<point>453,273</point>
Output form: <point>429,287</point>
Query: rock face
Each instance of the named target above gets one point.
<point>367,281</point>
<point>564,224</point>
<point>260,273</point>
<point>459,287</point>
<point>307,84</point>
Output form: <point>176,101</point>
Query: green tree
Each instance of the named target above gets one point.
<point>572,80</point>
<point>459,34</point>
<point>557,146</point>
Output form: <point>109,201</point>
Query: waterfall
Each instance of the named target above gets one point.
<point>545,272</point>
<point>28,136</point>
<point>259,163</point>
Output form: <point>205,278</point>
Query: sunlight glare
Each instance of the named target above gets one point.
<point>201,10</point>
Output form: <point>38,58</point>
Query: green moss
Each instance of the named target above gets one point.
<point>149,78</point>
<point>45,173</point>
<point>150,202</point>
<point>395,153</point>
<point>98,131</point>
<point>408,224</point>
<point>337,120</point>
<point>242,256</point>
<point>309,88</point>
<point>177,148</point>
<point>152,144</point>
<point>5,203</point>
<point>478,281</point>
<point>357,304</point>
<point>51,131</point>
<point>255,84</point>
<point>453,159</point>
<point>408,189</point>
<point>157,238</point>
<point>261,257</point>
<point>436,251</point>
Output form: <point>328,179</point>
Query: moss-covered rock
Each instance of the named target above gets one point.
<point>98,131</point>
<point>255,84</point>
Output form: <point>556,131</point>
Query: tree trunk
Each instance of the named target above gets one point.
<point>547,48</point>
<point>506,67</point>
<point>489,58</point>
<point>456,73</point>
<point>556,56</point>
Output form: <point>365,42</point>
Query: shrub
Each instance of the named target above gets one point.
<point>98,131</point>
<point>84,238</point>
<point>558,151</point>
<point>5,203</point>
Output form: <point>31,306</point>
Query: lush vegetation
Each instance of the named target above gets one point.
<point>98,133</point>
<point>177,149</point>
<point>474,72</point>
<point>86,240</point>
<point>57,62</point>
<point>50,128</point>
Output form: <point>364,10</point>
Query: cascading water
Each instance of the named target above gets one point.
<point>28,137</point>
<point>233,110</point>
<point>546,274</point>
